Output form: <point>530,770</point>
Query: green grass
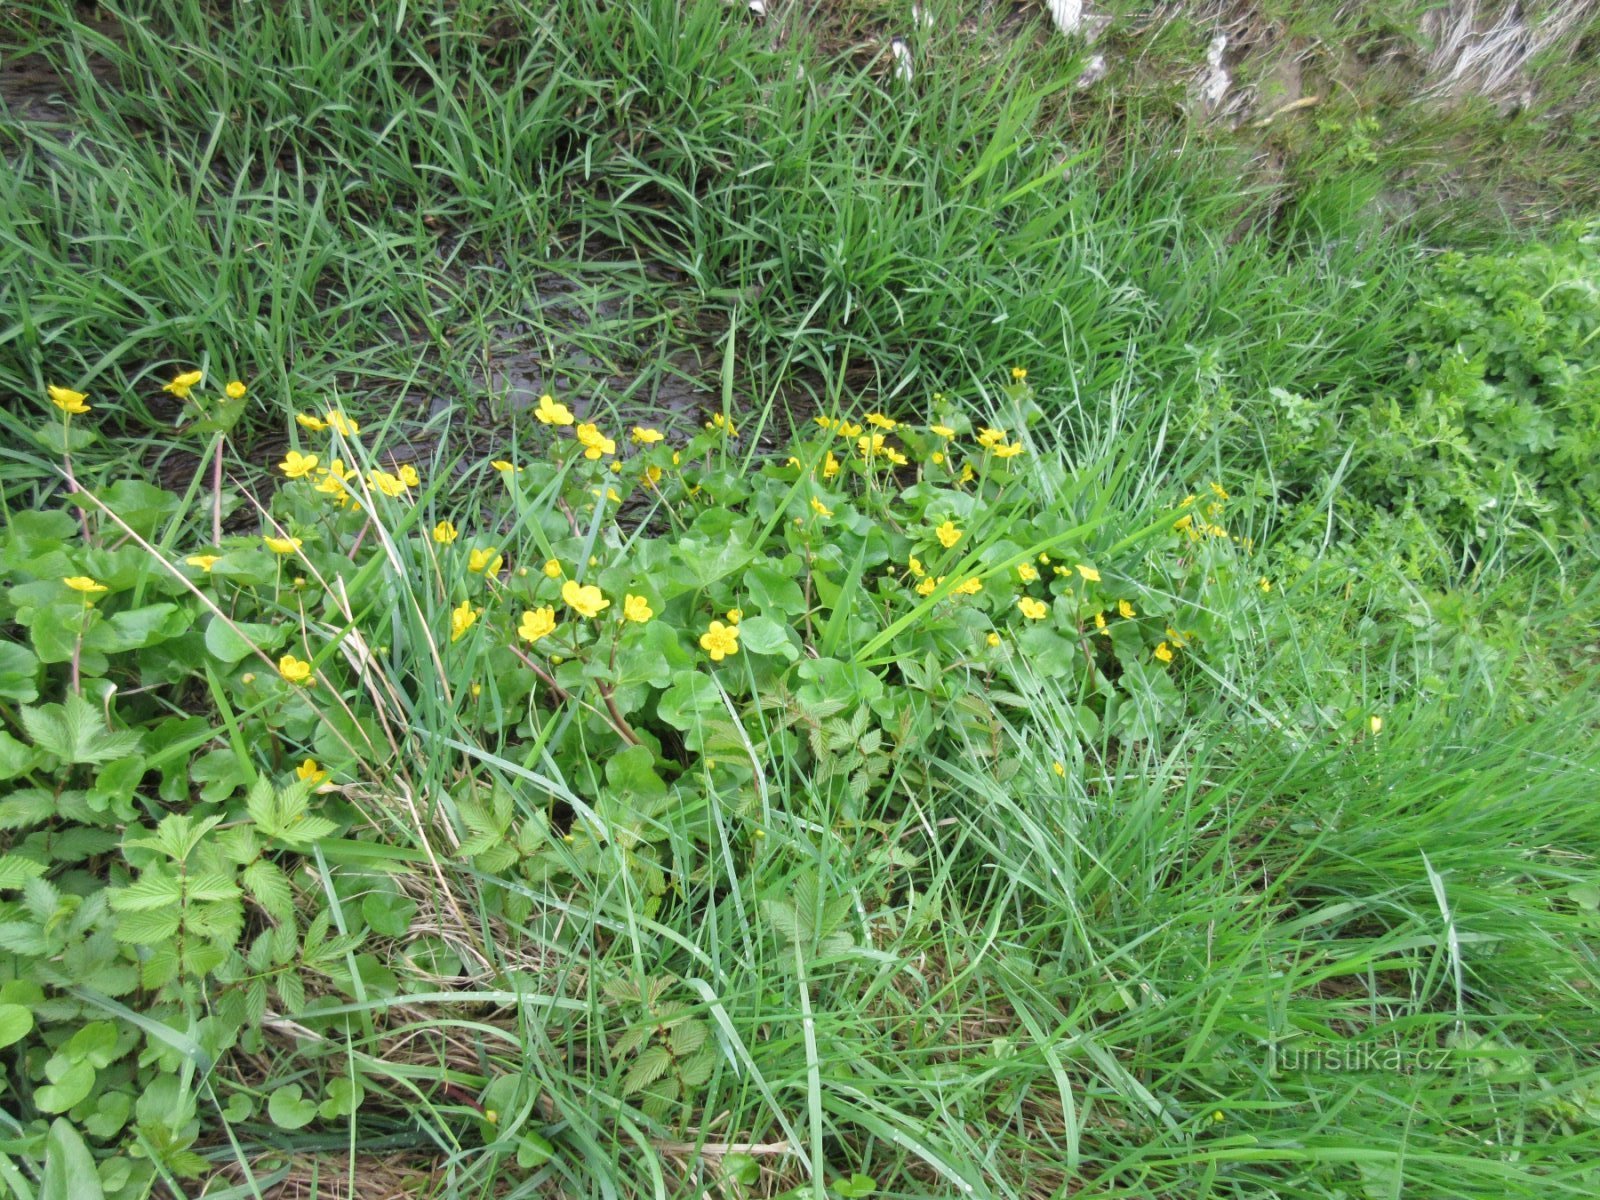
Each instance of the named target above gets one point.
<point>1058,984</point>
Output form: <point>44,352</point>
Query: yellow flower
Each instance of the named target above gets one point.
<point>84,584</point>
<point>307,421</point>
<point>993,639</point>
<point>937,459</point>
<point>462,618</point>
<point>584,598</point>
<point>296,465</point>
<point>67,400</point>
<point>537,623</point>
<point>444,533</point>
<point>489,561</point>
<point>870,444</point>
<point>846,430</point>
<point>989,438</point>
<point>184,384</point>
<point>1100,620</point>
<point>1375,723</point>
<point>294,670</point>
<point>1265,585</point>
<point>341,424</point>
<point>914,565</point>
<point>551,413</point>
<point>1126,609</point>
<point>385,483</point>
<point>503,466</point>
<point>204,561</point>
<point>280,545</point>
<point>735,615</point>
<point>1018,374</point>
<point>552,569</point>
<point>594,442</point>
<point>1034,610</point>
<point>1027,572</point>
<point>881,421</point>
<point>235,390</point>
<point>969,587</point>
<point>967,473</point>
<point>1089,573</point>
<point>948,534</point>
<point>1060,770</point>
<point>1164,652</point>
<point>646,436</point>
<point>830,466</point>
<point>309,771</point>
<point>894,456</point>
<point>718,421</point>
<point>652,475</point>
<point>1010,451</point>
<point>408,476</point>
<point>1217,490</point>
<point>636,608</point>
<point>925,588</point>
<point>821,509</point>
<point>720,640</point>
<point>1044,558</point>
<point>943,431</point>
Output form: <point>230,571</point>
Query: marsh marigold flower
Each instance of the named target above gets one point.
<point>989,438</point>
<point>204,561</point>
<point>719,421</point>
<point>408,475</point>
<point>943,431</point>
<point>969,587</point>
<point>550,413</point>
<point>594,442</point>
<point>881,421</point>
<point>503,466</point>
<point>636,608</point>
<point>948,534</point>
<point>296,465</point>
<point>84,584</point>
<point>444,533</point>
<point>67,400</point>
<point>235,391</point>
<point>489,561</point>
<point>1034,610</point>
<point>183,384</point>
<point>645,436</point>
<point>1126,609</point>
<point>294,670</point>
<point>1010,450</point>
<point>462,618</point>
<point>1088,573</point>
<point>821,509</point>
<point>1018,374</point>
<point>340,423</point>
<point>537,623</point>
<point>310,772</point>
<point>308,421</point>
<point>386,483</point>
<point>552,569</point>
<point>719,640</point>
<point>993,639</point>
<point>584,598</point>
<point>1027,572</point>
<point>281,545</point>
<point>1164,652</point>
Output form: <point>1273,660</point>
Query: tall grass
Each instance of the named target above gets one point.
<point>1055,983</point>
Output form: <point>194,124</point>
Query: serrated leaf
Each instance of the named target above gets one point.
<point>269,887</point>
<point>647,1068</point>
<point>75,732</point>
<point>15,870</point>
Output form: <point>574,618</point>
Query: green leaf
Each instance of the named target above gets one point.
<point>632,771</point>
<point>19,673</point>
<point>15,1023</point>
<point>289,1109</point>
<point>75,732</point>
<point>15,870</point>
<point>69,1171</point>
<point>691,698</point>
<point>763,635</point>
<point>234,642</point>
<point>68,1087</point>
<point>774,590</point>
